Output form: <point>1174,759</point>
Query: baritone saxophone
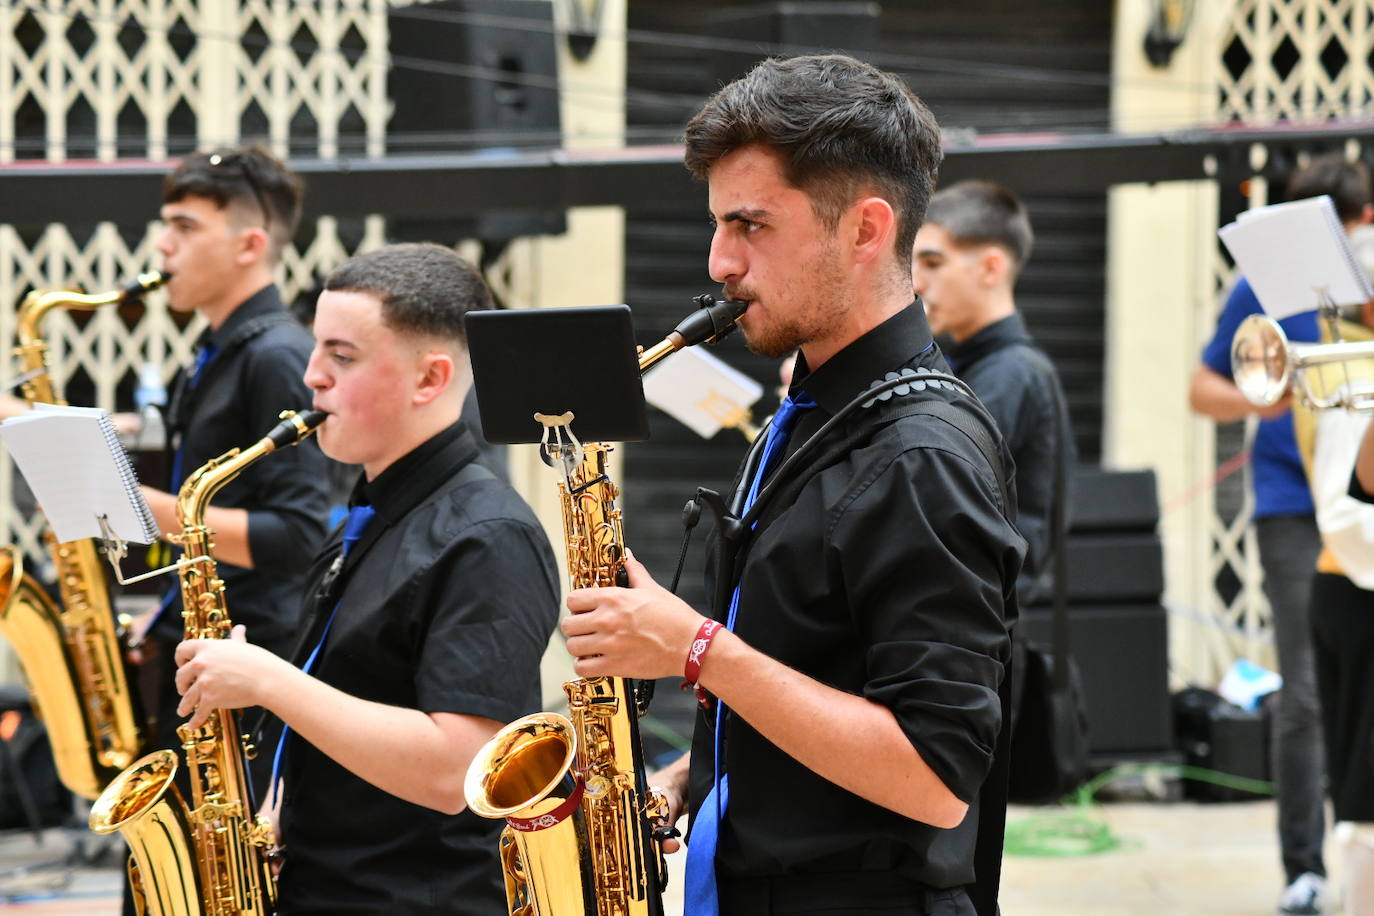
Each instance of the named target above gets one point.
<point>581,820</point>
<point>208,858</point>
<point>72,655</point>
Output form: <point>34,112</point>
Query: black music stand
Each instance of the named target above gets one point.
<point>552,362</point>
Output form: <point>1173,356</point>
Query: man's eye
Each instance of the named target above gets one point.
<point>341,359</point>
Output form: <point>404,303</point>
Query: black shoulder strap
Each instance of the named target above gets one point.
<point>977,432</point>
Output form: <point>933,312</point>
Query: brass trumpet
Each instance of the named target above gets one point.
<point>1265,365</point>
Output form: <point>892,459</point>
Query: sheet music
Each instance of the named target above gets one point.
<point>1292,252</point>
<point>73,462</point>
<point>701,391</point>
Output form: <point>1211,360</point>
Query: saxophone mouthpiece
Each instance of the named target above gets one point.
<point>708,324</point>
<point>143,283</point>
<point>294,427</point>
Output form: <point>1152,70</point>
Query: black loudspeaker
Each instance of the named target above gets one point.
<point>1122,655</point>
<point>1114,500</point>
<point>1217,735</point>
<point>789,29</point>
<point>475,75</point>
<point>1120,566</point>
<point>31,795</point>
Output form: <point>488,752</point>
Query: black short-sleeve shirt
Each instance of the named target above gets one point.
<point>889,576</point>
<point>447,603</point>
<point>257,372</point>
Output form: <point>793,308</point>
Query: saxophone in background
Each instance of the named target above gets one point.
<point>581,819</point>
<point>208,858</point>
<point>72,656</point>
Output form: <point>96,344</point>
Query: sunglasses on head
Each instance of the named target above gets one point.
<point>236,160</point>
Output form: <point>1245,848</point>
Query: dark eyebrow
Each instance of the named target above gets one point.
<point>338,342</point>
<point>747,215</point>
<point>929,253</point>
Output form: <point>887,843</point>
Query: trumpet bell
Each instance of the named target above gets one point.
<point>1260,363</point>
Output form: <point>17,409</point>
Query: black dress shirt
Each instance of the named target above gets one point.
<point>448,601</point>
<point>1020,388</point>
<point>887,576</point>
<point>257,372</point>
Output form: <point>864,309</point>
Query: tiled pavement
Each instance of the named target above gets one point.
<point>1175,859</point>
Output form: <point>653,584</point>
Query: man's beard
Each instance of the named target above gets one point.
<point>777,342</point>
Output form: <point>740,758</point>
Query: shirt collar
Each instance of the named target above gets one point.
<point>263,302</point>
<point>1001,333</point>
<point>416,475</point>
<point>891,344</point>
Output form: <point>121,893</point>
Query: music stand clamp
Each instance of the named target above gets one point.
<point>535,370</point>
<point>116,549</point>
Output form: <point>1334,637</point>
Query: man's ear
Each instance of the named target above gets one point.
<point>436,371</point>
<point>255,245</point>
<point>874,223</point>
<point>994,265</point>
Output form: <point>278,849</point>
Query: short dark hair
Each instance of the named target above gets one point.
<point>1347,182</point>
<point>425,289</point>
<point>841,125</point>
<point>983,213</point>
<point>248,175</point>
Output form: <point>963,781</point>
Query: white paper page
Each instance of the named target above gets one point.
<point>1290,251</point>
<point>699,390</point>
<point>76,472</point>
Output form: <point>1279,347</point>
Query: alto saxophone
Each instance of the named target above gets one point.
<point>72,656</point>
<point>582,822</point>
<point>208,858</point>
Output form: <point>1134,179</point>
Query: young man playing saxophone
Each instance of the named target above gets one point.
<point>226,217</point>
<point>429,613</point>
<point>866,639</point>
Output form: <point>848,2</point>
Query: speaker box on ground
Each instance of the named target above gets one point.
<point>1122,656</point>
<point>1106,500</point>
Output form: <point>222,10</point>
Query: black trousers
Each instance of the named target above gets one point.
<point>1342,616</point>
<point>866,893</point>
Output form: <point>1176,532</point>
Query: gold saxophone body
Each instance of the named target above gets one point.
<point>72,656</point>
<point>208,858</point>
<point>581,818</point>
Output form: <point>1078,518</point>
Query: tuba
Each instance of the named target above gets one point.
<point>581,819</point>
<point>208,858</point>
<point>72,656</point>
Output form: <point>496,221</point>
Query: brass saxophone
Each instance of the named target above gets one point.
<point>72,656</point>
<point>208,858</point>
<point>581,819</point>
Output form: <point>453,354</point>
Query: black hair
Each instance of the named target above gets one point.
<point>983,213</point>
<point>841,125</point>
<point>1347,182</point>
<point>248,176</point>
<point>425,289</point>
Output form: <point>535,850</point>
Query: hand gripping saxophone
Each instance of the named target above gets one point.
<point>581,819</point>
<point>72,656</point>
<point>208,859</point>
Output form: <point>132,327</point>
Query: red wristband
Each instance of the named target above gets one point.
<point>692,670</point>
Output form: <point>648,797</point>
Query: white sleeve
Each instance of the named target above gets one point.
<point>1346,524</point>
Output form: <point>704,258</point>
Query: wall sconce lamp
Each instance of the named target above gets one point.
<point>1169,21</point>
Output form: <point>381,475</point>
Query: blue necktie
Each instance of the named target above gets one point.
<point>358,519</point>
<point>699,891</point>
<point>204,353</point>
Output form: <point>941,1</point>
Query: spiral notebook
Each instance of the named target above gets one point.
<point>1293,253</point>
<point>78,471</point>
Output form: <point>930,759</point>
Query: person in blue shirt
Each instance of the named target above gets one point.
<point>1288,547</point>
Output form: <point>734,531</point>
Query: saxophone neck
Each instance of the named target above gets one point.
<point>32,348</point>
<point>211,477</point>
<point>37,304</point>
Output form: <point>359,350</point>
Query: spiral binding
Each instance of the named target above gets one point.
<point>128,478</point>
